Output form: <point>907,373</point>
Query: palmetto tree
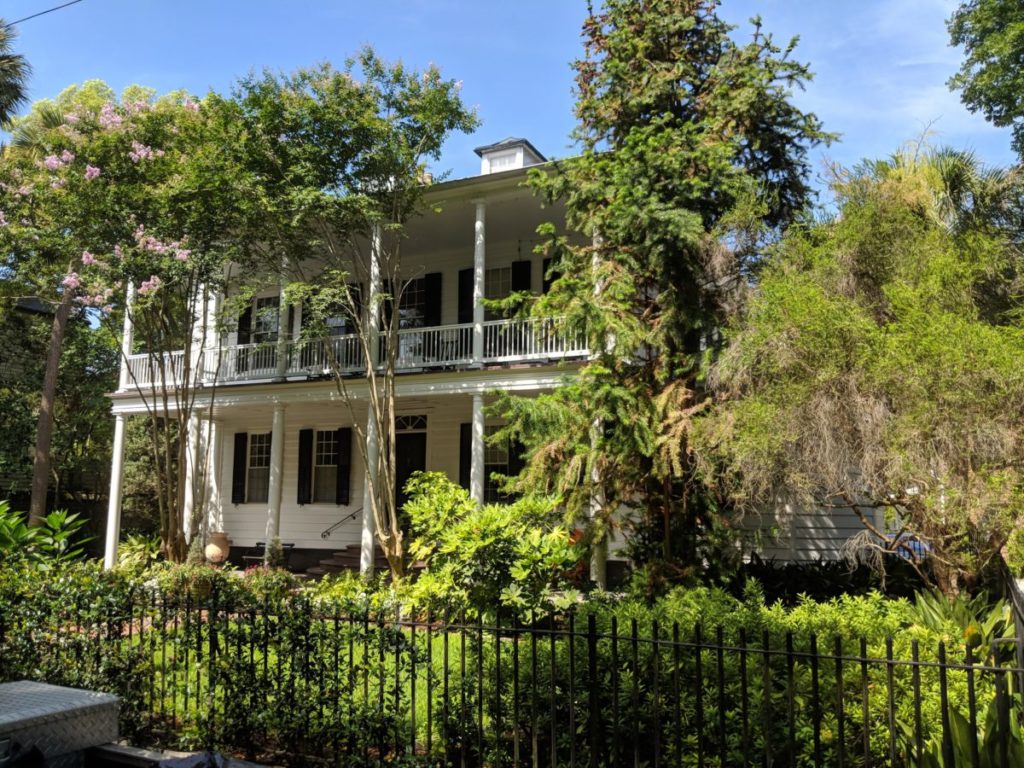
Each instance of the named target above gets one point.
<point>14,73</point>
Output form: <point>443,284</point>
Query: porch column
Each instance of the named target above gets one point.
<point>476,466</point>
<point>478,283</point>
<point>283,331</point>
<point>114,504</point>
<point>599,547</point>
<point>276,472</point>
<point>373,313</point>
<point>127,336</point>
<point>192,474</point>
<point>368,538</point>
<point>214,465</point>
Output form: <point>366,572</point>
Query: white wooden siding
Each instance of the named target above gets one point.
<point>302,524</point>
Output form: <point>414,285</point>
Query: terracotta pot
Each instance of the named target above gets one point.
<point>218,548</point>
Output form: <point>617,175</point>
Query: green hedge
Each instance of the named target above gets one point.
<point>256,663</point>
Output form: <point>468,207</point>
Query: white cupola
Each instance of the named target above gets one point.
<point>507,155</point>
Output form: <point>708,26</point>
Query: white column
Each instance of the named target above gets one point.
<point>368,538</point>
<point>276,475</point>
<point>192,474</point>
<point>214,465</point>
<point>373,313</point>
<point>479,257</point>
<point>127,336</point>
<point>476,465</point>
<point>599,547</point>
<point>114,504</point>
<point>283,331</point>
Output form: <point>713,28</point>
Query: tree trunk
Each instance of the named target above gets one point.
<point>44,428</point>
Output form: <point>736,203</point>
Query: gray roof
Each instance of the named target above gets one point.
<point>511,141</point>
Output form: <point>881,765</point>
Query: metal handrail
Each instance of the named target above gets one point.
<point>327,533</point>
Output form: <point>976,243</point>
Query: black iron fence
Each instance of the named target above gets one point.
<point>308,682</point>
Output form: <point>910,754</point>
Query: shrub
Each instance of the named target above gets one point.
<point>57,540</point>
<point>482,557</point>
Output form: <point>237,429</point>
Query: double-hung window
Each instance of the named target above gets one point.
<point>325,467</point>
<point>257,487</point>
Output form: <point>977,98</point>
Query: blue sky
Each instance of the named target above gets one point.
<point>881,65</point>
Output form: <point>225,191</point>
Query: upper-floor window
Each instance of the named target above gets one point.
<point>502,161</point>
<point>497,285</point>
<point>266,319</point>
<point>412,304</point>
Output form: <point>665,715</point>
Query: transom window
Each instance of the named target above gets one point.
<point>257,487</point>
<point>325,466</point>
<point>410,423</point>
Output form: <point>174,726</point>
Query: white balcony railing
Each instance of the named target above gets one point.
<point>530,339</point>
<point>439,347</point>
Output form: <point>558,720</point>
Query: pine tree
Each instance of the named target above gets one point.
<point>690,150</point>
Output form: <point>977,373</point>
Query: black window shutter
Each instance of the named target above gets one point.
<point>289,332</point>
<point>432,295</point>
<point>305,491</point>
<point>244,336</point>
<point>550,275</point>
<point>344,456</point>
<point>465,454</point>
<point>239,464</point>
<point>245,325</point>
<point>466,295</point>
<point>521,276</point>
<point>515,458</point>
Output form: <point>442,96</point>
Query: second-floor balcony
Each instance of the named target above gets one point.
<point>444,347</point>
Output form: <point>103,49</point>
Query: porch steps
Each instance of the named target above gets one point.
<point>346,559</point>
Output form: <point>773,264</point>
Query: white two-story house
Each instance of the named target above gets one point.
<point>279,457</point>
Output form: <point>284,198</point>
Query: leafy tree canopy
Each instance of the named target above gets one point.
<point>991,79</point>
<point>874,365</point>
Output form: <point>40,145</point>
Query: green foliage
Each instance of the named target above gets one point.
<point>896,325</point>
<point>138,552</point>
<point>481,557</point>
<point>56,542</point>
<point>1015,552</point>
<point>990,80</point>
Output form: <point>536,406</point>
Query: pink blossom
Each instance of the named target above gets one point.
<point>107,309</point>
<point>71,281</point>
<point>149,286</point>
<point>58,183</point>
<point>24,191</point>
<point>117,252</point>
<point>3,219</point>
<point>52,162</point>
<point>192,106</point>
<point>88,258</point>
<point>182,254</point>
<point>140,152</point>
<point>108,117</point>
<point>67,156</point>
<point>72,117</point>
<point>91,172</point>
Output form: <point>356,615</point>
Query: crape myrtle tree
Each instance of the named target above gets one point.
<point>337,159</point>
<point>691,152</point>
<point>121,194</point>
<point>878,365</point>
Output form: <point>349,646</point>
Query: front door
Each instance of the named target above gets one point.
<point>410,456</point>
